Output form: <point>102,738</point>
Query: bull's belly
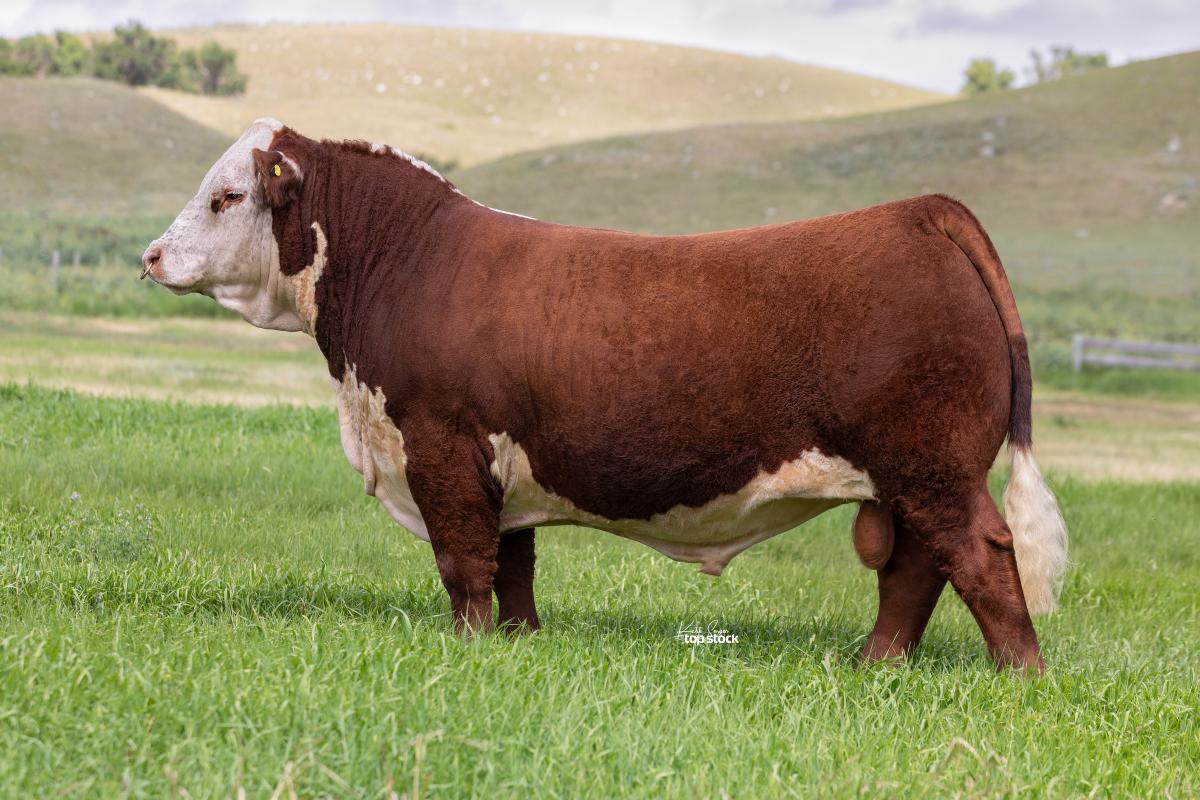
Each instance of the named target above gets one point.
<point>710,535</point>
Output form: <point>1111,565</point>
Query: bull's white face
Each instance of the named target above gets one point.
<point>221,244</point>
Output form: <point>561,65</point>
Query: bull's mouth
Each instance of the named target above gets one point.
<point>174,288</point>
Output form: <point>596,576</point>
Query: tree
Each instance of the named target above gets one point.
<point>213,69</point>
<point>36,53</point>
<point>71,55</point>
<point>1064,61</point>
<point>134,56</point>
<point>41,55</point>
<point>982,75</point>
<point>8,60</point>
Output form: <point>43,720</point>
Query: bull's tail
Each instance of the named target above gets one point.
<point>1038,529</point>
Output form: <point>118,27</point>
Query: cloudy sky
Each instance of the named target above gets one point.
<point>922,42</point>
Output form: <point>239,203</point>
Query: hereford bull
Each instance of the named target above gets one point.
<point>698,394</point>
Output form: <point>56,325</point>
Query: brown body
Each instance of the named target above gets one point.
<point>642,374</point>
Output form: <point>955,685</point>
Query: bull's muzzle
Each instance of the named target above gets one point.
<point>151,259</point>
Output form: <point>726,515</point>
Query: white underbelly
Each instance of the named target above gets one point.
<point>710,535</point>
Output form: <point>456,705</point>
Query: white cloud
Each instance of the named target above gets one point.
<point>923,42</point>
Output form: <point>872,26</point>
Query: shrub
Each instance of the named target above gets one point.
<point>135,56</point>
<point>212,69</point>
<point>71,55</point>
<point>36,54</point>
<point>982,75</point>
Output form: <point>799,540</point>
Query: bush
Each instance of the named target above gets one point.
<point>135,56</point>
<point>8,65</point>
<point>40,55</point>
<point>36,52</point>
<point>212,69</point>
<point>982,75</point>
<point>1064,62</point>
<point>71,55</point>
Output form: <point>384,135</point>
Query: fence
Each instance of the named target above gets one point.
<point>1121,353</point>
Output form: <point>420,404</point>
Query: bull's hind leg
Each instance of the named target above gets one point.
<point>909,587</point>
<point>973,547</point>
<point>514,581</point>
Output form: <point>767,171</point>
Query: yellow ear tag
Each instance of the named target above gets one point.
<point>277,171</point>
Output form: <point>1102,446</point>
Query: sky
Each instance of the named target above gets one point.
<point>925,43</point>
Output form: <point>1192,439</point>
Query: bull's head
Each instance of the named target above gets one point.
<point>221,244</point>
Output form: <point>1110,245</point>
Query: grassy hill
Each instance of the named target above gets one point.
<point>473,95</point>
<point>1085,182</point>
<point>74,145</point>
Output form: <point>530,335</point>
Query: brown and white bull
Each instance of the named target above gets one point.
<point>698,394</point>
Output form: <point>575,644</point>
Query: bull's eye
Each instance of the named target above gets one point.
<point>220,202</point>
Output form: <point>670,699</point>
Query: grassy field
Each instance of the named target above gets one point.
<point>79,146</point>
<point>196,597</point>
<point>1087,182</point>
<point>472,95</point>
<point>178,358</point>
<point>200,598</point>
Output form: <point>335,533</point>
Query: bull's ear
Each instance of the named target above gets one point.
<point>281,177</point>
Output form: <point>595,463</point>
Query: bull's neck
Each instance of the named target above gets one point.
<point>383,221</point>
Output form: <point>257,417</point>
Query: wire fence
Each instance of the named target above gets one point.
<point>1123,353</point>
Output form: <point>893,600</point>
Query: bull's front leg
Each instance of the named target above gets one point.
<point>460,504</point>
<point>514,582</point>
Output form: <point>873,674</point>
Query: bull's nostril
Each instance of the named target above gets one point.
<point>151,257</point>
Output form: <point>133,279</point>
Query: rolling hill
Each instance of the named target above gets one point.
<point>472,95</point>
<point>1083,182</point>
<point>79,145</point>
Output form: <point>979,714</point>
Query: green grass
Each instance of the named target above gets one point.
<point>81,146</point>
<point>1051,318</point>
<point>99,263</point>
<point>28,237</point>
<point>185,359</point>
<point>199,596</point>
<point>1080,188</point>
<point>109,290</point>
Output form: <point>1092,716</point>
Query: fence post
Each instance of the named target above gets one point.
<point>1077,351</point>
<point>54,259</point>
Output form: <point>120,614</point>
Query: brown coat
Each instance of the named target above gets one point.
<point>644,374</point>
